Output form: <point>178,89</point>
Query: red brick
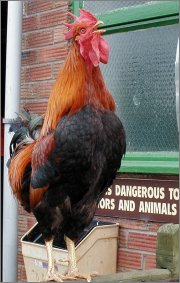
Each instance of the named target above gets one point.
<point>141,241</point>
<point>19,274</point>
<point>36,90</point>
<point>26,92</point>
<point>35,107</point>
<point>123,238</point>
<point>60,3</point>
<point>20,256</point>
<point>53,53</point>
<point>29,23</point>
<point>129,259</point>
<point>56,69</point>
<point>44,89</point>
<point>23,42</point>
<point>22,212</point>
<point>59,34</point>
<point>136,224</point>
<point>53,18</point>
<point>22,230</point>
<point>38,73</point>
<point>20,261</point>
<point>22,225</point>
<point>149,261</point>
<point>23,274</point>
<point>30,222</point>
<point>25,221</point>
<point>124,223</point>
<point>22,75</point>
<point>34,7</point>
<point>29,57</point>
<point>37,39</point>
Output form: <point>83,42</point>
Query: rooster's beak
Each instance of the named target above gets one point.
<point>96,26</point>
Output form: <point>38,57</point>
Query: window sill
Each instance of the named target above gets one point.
<point>152,11</point>
<point>151,162</point>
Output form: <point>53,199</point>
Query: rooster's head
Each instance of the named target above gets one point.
<point>84,30</point>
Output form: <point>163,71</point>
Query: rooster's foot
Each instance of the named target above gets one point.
<point>74,275</point>
<point>52,276</point>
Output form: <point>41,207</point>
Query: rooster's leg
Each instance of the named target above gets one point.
<point>51,274</point>
<point>73,272</point>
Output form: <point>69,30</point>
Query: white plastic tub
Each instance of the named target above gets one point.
<point>97,251</point>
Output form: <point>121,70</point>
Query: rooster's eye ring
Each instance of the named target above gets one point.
<point>82,30</point>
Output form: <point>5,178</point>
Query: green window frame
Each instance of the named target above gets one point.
<point>153,14</point>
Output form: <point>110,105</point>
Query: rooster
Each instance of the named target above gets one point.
<point>61,175</point>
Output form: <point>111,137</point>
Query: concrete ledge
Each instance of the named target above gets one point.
<point>167,253</point>
<point>136,275</point>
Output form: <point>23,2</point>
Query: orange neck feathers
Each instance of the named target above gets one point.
<point>77,84</point>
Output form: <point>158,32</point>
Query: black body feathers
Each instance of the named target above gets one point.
<point>83,163</point>
<point>77,162</point>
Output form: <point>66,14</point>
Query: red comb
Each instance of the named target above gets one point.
<point>85,16</point>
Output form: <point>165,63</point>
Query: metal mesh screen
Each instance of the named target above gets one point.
<point>141,77</point>
<point>104,6</point>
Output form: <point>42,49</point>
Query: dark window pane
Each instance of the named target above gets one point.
<point>141,77</point>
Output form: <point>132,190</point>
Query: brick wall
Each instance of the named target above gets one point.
<point>43,52</point>
<point>137,244</point>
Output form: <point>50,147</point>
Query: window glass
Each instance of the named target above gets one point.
<point>141,76</point>
<point>104,6</point>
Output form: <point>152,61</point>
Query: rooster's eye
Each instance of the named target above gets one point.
<point>83,30</point>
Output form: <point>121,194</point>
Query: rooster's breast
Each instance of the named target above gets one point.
<point>88,149</point>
